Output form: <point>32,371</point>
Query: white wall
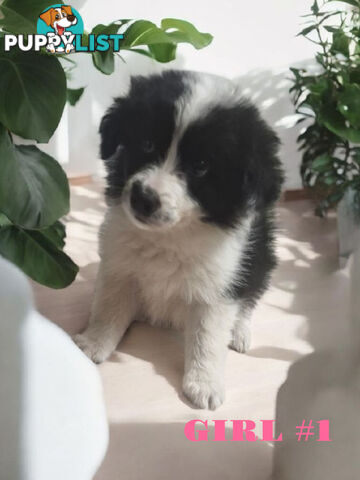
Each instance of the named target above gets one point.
<point>247,34</point>
<point>254,42</point>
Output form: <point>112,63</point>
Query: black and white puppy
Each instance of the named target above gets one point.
<point>187,240</point>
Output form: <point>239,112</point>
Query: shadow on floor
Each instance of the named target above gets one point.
<point>166,453</point>
<point>324,386</point>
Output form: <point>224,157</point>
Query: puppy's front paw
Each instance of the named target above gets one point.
<point>241,339</point>
<point>94,349</point>
<point>203,393</point>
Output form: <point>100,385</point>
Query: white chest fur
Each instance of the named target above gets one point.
<point>182,265</point>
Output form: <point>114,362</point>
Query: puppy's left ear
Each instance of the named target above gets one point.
<point>266,175</point>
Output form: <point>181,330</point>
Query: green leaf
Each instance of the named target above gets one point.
<point>185,32</point>
<point>141,51</point>
<point>335,122</point>
<point>34,191</point>
<point>315,8</point>
<point>311,101</point>
<point>354,3</point>
<point>349,104</point>
<point>37,256</point>
<point>15,23</point>
<point>4,221</point>
<point>163,52</point>
<point>356,32</point>
<point>104,61</point>
<point>74,95</point>
<point>330,180</point>
<point>307,30</point>
<point>102,29</point>
<point>297,72</point>
<point>340,43</point>
<point>331,29</point>
<point>161,42</point>
<point>319,87</point>
<point>29,10</point>
<point>322,163</point>
<point>111,29</point>
<point>32,93</point>
<point>56,233</point>
<point>143,32</point>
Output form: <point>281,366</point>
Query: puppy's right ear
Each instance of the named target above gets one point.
<point>109,134</point>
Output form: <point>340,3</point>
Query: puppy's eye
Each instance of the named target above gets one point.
<point>57,16</point>
<point>200,168</point>
<point>64,14</point>
<point>147,146</point>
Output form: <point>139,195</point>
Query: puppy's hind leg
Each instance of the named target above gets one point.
<point>113,309</point>
<point>241,332</point>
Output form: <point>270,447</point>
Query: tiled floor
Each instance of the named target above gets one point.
<point>142,380</point>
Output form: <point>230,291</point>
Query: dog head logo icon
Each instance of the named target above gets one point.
<point>60,23</point>
<point>59,19</point>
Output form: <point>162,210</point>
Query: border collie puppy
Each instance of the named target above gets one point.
<point>187,239</point>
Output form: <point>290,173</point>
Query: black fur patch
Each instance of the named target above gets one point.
<point>146,114</point>
<point>235,153</point>
<point>258,261</point>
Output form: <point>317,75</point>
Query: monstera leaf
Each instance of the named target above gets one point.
<point>32,93</point>
<point>146,38</point>
<point>181,31</point>
<point>144,32</point>
<point>15,23</point>
<point>105,61</point>
<point>38,253</point>
<point>34,190</point>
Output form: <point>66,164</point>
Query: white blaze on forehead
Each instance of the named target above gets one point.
<point>203,93</point>
<point>158,179</point>
<point>171,158</point>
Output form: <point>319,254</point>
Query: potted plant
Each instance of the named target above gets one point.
<point>34,190</point>
<point>327,99</point>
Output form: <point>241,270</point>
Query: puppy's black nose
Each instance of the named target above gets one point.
<point>71,18</point>
<point>144,200</point>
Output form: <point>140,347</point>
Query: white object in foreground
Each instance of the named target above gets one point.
<point>52,415</point>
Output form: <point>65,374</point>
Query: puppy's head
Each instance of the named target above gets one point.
<point>183,147</point>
